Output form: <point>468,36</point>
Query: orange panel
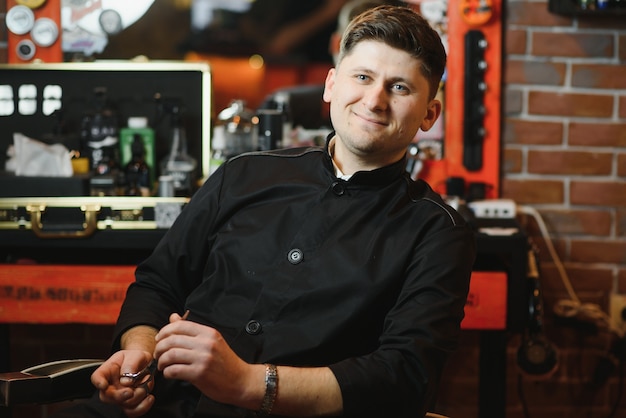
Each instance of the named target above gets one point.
<point>56,294</point>
<point>486,303</point>
<point>51,294</point>
<point>50,9</point>
<point>452,164</point>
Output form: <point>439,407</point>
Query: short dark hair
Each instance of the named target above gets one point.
<point>402,28</point>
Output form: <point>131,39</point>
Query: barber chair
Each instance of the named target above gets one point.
<point>49,382</point>
<point>58,381</point>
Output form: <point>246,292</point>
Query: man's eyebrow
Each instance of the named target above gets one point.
<point>362,69</point>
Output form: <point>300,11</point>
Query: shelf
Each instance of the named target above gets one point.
<point>575,8</point>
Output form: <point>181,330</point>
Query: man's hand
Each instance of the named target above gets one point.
<point>115,389</point>
<point>200,355</point>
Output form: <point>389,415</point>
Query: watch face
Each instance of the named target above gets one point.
<point>20,20</point>
<point>111,22</point>
<point>45,32</point>
<point>25,49</point>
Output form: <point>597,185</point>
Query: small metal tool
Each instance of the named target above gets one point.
<point>146,375</point>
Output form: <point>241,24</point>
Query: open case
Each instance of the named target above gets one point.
<point>47,102</point>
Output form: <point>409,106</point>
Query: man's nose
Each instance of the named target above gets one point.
<point>376,97</point>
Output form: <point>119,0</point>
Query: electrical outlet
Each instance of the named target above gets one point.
<point>618,311</point>
<point>493,208</point>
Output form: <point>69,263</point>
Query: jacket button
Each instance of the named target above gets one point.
<point>295,256</point>
<point>338,188</point>
<point>253,327</point>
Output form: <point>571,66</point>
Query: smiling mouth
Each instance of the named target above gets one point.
<point>374,121</point>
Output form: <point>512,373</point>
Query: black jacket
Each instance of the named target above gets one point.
<point>296,267</point>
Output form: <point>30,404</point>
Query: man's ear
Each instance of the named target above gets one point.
<point>432,113</point>
<point>328,84</point>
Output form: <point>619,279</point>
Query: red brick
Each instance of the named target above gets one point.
<point>601,76</point>
<point>554,298</point>
<point>533,14</point>
<point>622,107</point>
<point>621,222</point>
<point>535,72</point>
<point>570,104</point>
<point>569,162</point>
<point>597,134</point>
<point>573,44</point>
<point>593,251</point>
<point>521,131</point>
<point>512,161</point>
<point>622,48</point>
<point>574,363</point>
<point>513,101</point>
<point>578,222</point>
<point>621,165</point>
<point>515,41</point>
<point>534,235</point>
<point>597,193</point>
<point>533,191</point>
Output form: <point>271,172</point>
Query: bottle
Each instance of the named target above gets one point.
<point>137,171</point>
<point>218,144</point>
<point>177,163</point>
<point>138,125</point>
<point>99,142</point>
<point>238,126</point>
<point>270,129</point>
<point>283,106</point>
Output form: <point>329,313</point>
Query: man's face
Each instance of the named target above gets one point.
<point>378,100</point>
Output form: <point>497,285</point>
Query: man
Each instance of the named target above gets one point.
<point>318,281</point>
<point>306,106</point>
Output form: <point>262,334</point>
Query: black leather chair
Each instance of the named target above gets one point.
<point>49,382</point>
<point>58,381</point>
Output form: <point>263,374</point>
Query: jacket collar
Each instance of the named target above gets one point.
<point>380,176</point>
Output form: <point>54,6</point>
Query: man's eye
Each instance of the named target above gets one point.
<point>362,77</point>
<point>399,87</point>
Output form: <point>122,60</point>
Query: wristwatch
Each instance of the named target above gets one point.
<point>45,32</point>
<point>20,20</point>
<point>271,388</point>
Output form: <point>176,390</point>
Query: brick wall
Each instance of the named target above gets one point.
<point>564,153</point>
